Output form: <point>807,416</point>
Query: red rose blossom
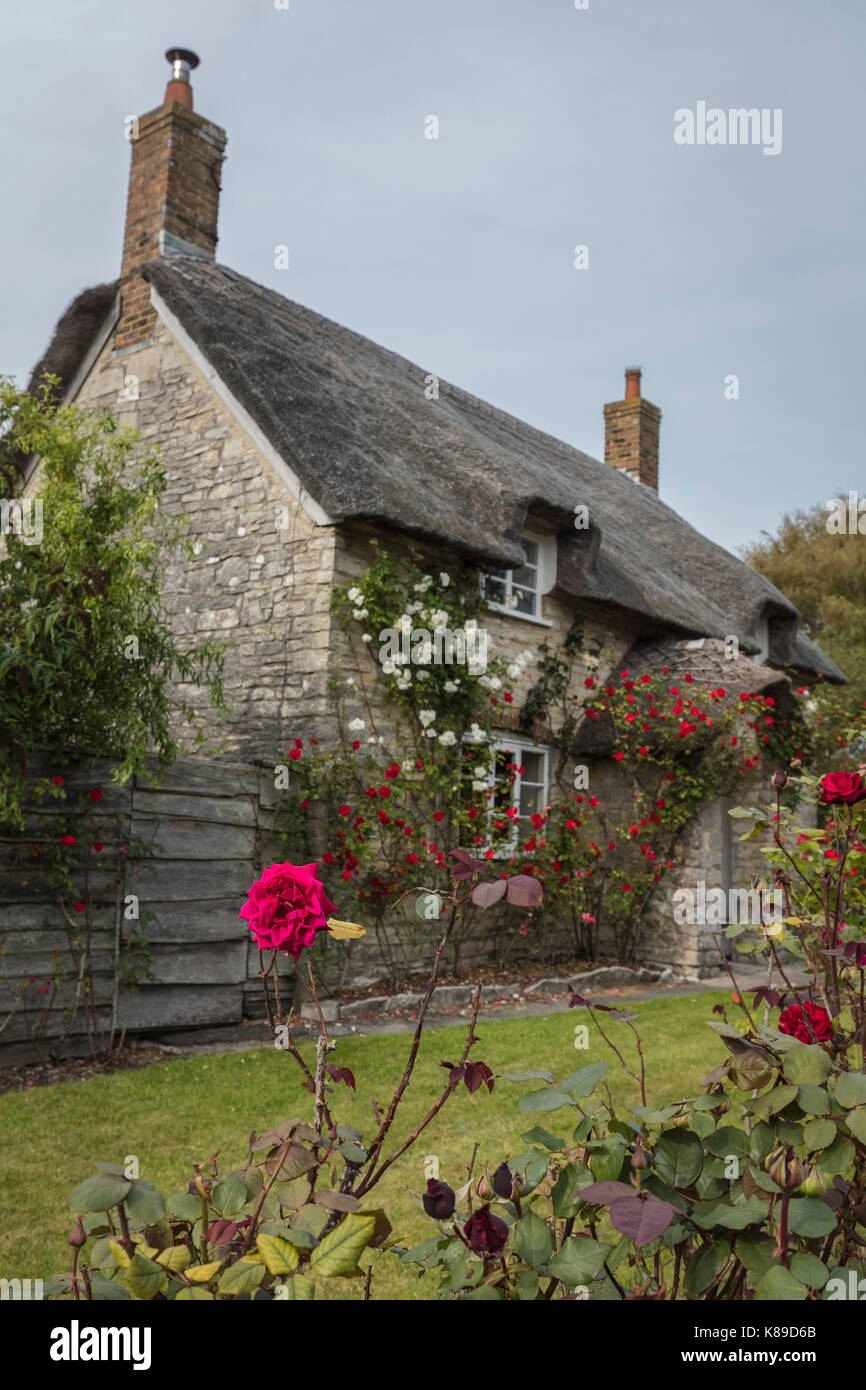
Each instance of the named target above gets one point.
<point>286,907</point>
<point>794,1024</point>
<point>844,787</point>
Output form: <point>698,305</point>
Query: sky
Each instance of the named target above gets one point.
<point>556,130</point>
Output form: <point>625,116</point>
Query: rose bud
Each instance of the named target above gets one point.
<point>79,1235</point>
<point>814,1184</point>
<point>639,1158</point>
<point>780,780</point>
<point>485,1232</point>
<point>438,1200</point>
<point>484,1187</point>
<point>785,1168</point>
<point>506,1183</point>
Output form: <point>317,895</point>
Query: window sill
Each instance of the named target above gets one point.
<point>513,613</point>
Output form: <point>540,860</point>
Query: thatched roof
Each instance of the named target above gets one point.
<point>75,331</point>
<point>351,420</point>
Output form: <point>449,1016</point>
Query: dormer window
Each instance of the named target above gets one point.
<point>516,590</point>
<point>519,591</point>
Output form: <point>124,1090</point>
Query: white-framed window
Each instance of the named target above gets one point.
<point>518,782</point>
<point>519,591</point>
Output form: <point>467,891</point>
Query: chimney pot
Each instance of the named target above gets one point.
<point>182,60</point>
<point>632,383</point>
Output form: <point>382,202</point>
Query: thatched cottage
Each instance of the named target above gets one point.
<point>291,440</point>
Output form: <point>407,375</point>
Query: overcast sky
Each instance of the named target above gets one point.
<point>556,129</point>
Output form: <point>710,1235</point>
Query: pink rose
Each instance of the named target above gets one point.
<point>286,907</point>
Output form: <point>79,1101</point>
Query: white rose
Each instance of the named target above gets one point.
<point>444,580</point>
<point>356,725</point>
<point>388,668</point>
<point>426,716</point>
<point>422,676</point>
<point>479,786</point>
<point>367,637</point>
<point>448,738</point>
<point>451,686</point>
<point>514,671</point>
<point>431,733</point>
<point>359,613</point>
<point>355,596</point>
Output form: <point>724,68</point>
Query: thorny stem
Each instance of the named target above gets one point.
<point>416,1043</point>
<point>248,1239</point>
<point>371,1178</point>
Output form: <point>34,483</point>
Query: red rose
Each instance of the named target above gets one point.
<point>58,781</point>
<point>844,787</point>
<point>793,1023</point>
<point>67,839</point>
<point>286,907</point>
<point>485,1232</point>
<point>96,794</point>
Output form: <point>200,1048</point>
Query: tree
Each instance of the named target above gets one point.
<point>87,653</point>
<point>824,573</point>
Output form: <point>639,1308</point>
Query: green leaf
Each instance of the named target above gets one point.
<point>144,1205</point>
<point>279,1255</point>
<point>244,1276</point>
<point>817,1134</point>
<point>773,1101</point>
<point>856,1122</point>
<point>194,1294</point>
<point>99,1193</point>
<point>299,1288</point>
<point>229,1196</point>
<point>806,1062</point>
<point>144,1277</point>
<point>184,1206</point>
<point>583,1082</point>
<point>338,1253</point>
<point>839,1157</point>
<point>754,1251</point>
<point>353,1153</point>
<point>733,1217</point>
<point>572,1178</point>
<point>809,1216</point>
<point>702,1124</point>
<point>678,1157</point>
<point>527,1287</point>
<point>813,1100</point>
<point>578,1260</point>
<point>809,1269</point>
<point>728,1140</point>
<point>606,1160</point>
<point>705,1265</point>
<point>851,1089</point>
<point>106,1290</point>
<point>532,1239</point>
<point>538,1135</point>
<point>485,1294</point>
<point>779,1285</point>
<point>550,1099</point>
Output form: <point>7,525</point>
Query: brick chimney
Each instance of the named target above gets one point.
<point>173,199</point>
<point>631,433</point>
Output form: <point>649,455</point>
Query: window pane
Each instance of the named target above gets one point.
<point>503,796</point>
<point>494,586</point>
<point>530,798</point>
<point>533,767</point>
<point>530,550</point>
<point>526,600</point>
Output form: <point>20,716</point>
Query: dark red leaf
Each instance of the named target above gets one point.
<point>642,1218</point>
<point>478,1074</point>
<point>600,1193</point>
<point>524,891</point>
<point>486,894</point>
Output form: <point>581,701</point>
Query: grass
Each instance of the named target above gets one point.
<point>179,1111</point>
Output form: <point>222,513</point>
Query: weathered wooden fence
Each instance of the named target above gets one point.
<point>192,848</point>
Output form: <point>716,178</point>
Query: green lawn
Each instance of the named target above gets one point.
<point>179,1111</point>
